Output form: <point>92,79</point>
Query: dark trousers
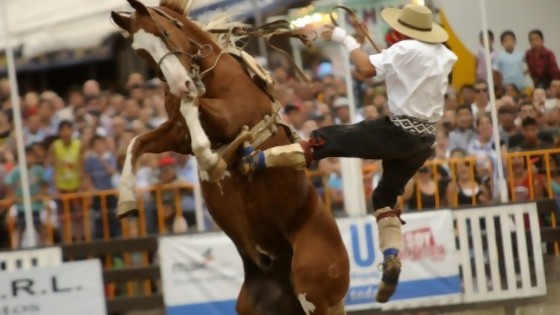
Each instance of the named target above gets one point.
<point>402,153</point>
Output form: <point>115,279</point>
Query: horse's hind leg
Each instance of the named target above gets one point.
<point>267,293</point>
<point>320,264</point>
<point>151,142</point>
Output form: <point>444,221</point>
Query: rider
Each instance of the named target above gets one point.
<point>416,73</point>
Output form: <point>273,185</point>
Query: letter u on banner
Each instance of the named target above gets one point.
<point>369,258</point>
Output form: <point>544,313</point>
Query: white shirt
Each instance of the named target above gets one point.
<point>474,109</point>
<point>416,75</point>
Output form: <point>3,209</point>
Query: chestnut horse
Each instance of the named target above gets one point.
<point>294,259</point>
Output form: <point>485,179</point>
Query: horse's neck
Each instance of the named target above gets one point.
<point>226,74</point>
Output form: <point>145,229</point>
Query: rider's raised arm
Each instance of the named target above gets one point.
<point>363,64</point>
<point>360,59</point>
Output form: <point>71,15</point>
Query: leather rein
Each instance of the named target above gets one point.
<point>357,24</point>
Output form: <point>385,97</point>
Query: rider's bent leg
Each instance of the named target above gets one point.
<point>396,173</point>
<point>330,141</point>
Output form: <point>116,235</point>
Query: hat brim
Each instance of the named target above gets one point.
<point>436,35</point>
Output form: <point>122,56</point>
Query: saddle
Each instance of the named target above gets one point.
<point>268,126</point>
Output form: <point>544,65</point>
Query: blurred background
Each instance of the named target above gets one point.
<point>85,94</point>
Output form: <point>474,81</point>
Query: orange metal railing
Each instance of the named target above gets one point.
<point>76,209</point>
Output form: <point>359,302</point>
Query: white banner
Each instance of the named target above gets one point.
<point>199,269</point>
<point>202,274</point>
<point>69,289</point>
<point>430,273</point>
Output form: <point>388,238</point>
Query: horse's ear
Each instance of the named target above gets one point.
<point>122,20</point>
<point>138,6</point>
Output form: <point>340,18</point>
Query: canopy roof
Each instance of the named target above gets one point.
<point>44,26</point>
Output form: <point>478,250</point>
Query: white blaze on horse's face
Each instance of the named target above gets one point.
<point>177,77</point>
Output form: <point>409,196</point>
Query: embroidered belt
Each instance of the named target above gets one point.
<point>414,126</point>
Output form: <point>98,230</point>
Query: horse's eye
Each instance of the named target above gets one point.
<point>165,33</point>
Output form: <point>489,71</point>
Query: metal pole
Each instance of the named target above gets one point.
<point>351,169</point>
<point>197,194</point>
<point>259,21</point>
<point>501,179</point>
<point>22,162</point>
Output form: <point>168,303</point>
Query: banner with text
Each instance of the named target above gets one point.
<point>430,273</point>
<point>202,274</point>
<point>68,289</point>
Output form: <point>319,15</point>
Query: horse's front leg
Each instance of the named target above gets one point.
<point>212,167</point>
<point>170,136</point>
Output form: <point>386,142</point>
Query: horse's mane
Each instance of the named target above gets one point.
<point>216,19</point>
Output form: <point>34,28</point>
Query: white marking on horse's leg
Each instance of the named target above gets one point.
<point>307,306</point>
<point>199,140</point>
<point>128,178</point>
<point>175,73</point>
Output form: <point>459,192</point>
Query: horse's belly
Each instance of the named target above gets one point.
<point>258,212</point>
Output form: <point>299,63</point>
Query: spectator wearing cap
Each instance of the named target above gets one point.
<point>100,165</point>
<point>341,107</point>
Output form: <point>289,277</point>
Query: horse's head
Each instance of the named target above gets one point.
<point>158,34</point>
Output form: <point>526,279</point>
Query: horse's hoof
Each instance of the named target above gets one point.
<point>218,171</point>
<point>127,209</point>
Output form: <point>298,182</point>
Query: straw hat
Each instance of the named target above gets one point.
<point>415,21</point>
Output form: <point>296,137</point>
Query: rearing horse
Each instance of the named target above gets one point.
<point>294,259</point>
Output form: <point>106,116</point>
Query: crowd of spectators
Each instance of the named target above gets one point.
<point>75,142</point>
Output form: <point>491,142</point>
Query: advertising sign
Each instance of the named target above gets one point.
<point>68,289</point>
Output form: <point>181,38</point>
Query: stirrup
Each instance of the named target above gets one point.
<point>248,163</point>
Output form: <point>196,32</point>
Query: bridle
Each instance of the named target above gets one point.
<point>202,50</point>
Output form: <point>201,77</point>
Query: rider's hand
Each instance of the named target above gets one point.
<point>339,35</point>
